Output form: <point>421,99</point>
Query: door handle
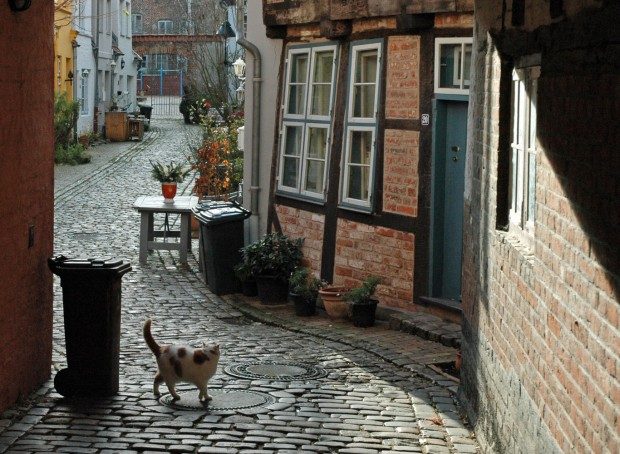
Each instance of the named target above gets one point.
<point>456,149</point>
<point>454,158</point>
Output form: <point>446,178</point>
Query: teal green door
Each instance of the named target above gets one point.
<point>451,135</point>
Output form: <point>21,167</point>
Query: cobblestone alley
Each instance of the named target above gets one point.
<point>354,390</point>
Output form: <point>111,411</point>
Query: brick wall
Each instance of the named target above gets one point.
<point>206,14</point>
<point>26,206</point>
<point>400,172</point>
<point>363,250</point>
<point>541,331</point>
<point>304,224</point>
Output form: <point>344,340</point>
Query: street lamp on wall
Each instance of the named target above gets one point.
<point>239,67</point>
<point>19,5</point>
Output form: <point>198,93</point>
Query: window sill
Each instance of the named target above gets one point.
<point>356,208</point>
<point>300,197</point>
<point>519,242</point>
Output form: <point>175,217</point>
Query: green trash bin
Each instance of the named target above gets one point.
<point>92,316</point>
<point>221,238</point>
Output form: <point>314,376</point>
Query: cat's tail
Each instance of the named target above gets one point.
<point>148,337</point>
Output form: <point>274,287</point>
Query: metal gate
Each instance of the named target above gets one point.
<point>163,90</point>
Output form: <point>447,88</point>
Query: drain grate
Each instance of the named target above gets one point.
<point>236,399</point>
<point>275,371</point>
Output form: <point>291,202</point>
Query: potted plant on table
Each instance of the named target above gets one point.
<point>169,175</point>
<point>363,303</point>
<point>271,261</point>
<point>303,291</point>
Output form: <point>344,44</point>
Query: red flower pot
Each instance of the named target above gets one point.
<point>169,190</point>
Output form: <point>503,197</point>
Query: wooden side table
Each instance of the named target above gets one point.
<point>147,206</point>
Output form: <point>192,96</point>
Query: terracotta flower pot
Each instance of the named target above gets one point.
<point>169,190</point>
<point>334,302</point>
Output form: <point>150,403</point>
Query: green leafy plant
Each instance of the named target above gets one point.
<point>72,154</point>
<point>168,173</point>
<point>243,271</point>
<point>305,284</point>
<point>65,117</point>
<point>274,255</point>
<point>364,292</point>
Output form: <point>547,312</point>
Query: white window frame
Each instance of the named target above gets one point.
<point>134,21</point>
<point>291,53</point>
<point>306,121</point>
<point>83,94</point>
<point>165,22</point>
<point>306,158</point>
<point>285,126</point>
<point>463,41</point>
<point>360,124</point>
<point>523,146</point>
<point>355,50</point>
<point>345,168</point>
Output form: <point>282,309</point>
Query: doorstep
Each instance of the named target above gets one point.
<point>424,325</point>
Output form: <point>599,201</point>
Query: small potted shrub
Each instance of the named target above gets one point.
<point>363,302</point>
<point>303,291</point>
<point>169,175</point>
<point>271,261</point>
<point>248,283</point>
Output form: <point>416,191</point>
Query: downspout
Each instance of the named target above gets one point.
<point>255,139</point>
<point>95,6</point>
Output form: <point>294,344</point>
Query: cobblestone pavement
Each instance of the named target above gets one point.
<point>376,393</point>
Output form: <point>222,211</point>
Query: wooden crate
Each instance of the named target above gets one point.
<point>136,129</point>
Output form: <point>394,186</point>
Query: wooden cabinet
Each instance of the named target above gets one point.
<point>116,126</point>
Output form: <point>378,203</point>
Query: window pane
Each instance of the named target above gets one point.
<point>316,142</point>
<point>450,66</point>
<point>467,66</point>
<point>315,171</point>
<point>359,178</point>
<point>320,99</point>
<point>323,64</point>
<point>366,66</point>
<point>364,102</point>
<point>361,147</point>
<point>293,140</point>
<point>297,99</point>
<point>291,166</point>
<point>299,68</point>
<point>531,189</point>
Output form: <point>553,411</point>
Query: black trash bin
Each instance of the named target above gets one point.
<point>92,314</point>
<point>221,235</point>
<point>146,110</point>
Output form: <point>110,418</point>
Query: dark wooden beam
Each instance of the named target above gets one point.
<point>334,29</point>
<point>409,23</point>
<point>276,31</point>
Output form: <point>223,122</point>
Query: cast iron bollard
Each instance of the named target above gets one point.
<point>92,313</point>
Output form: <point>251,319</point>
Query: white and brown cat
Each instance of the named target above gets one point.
<point>182,363</point>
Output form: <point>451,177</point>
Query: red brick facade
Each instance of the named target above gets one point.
<point>363,250</point>
<point>26,206</point>
<point>304,224</point>
<point>541,331</point>
<point>400,172</point>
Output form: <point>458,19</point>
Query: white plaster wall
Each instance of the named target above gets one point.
<point>270,52</point>
<point>85,64</point>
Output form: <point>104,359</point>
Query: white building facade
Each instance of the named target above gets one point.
<point>106,66</point>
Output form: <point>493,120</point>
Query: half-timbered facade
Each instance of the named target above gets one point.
<point>369,140</point>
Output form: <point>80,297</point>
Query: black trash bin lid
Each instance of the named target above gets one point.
<point>219,212</point>
<point>60,262</point>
